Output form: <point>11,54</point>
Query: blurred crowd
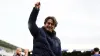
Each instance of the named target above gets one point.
<point>94,52</point>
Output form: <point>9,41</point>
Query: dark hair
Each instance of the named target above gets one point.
<point>52,18</point>
<point>96,49</point>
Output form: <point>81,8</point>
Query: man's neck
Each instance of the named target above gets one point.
<point>96,52</point>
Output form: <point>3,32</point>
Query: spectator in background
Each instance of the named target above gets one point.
<point>18,52</point>
<point>96,52</point>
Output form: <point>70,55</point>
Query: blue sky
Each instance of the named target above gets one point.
<point>78,22</point>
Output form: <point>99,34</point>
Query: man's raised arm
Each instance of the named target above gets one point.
<point>32,20</point>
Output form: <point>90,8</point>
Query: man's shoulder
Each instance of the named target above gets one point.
<point>17,55</point>
<point>41,30</point>
<point>57,39</point>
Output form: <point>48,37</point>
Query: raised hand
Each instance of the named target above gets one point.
<point>37,5</point>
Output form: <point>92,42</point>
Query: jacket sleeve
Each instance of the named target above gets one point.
<point>32,22</point>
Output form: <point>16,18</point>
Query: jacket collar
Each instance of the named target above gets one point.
<point>51,34</point>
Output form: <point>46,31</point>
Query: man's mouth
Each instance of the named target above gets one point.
<point>49,27</point>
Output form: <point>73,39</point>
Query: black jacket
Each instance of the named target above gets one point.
<point>44,43</point>
<point>17,55</point>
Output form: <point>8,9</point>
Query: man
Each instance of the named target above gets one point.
<point>18,52</point>
<point>45,42</point>
<point>96,52</point>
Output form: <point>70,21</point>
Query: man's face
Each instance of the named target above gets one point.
<point>49,25</point>
<point>18,51</point>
